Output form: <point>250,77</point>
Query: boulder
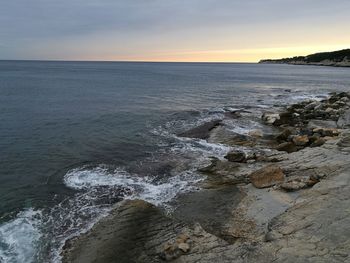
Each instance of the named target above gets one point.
<point>301,140</point>
<point>267,176</point>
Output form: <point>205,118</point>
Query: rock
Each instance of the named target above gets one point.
<point>293,185</point>
<point>312,105</point>
<point>321,124</point>
<point>288,147</point>
<point>345,99</point>
<point>267,176</point>
<point>286,118</point>
<point>318,142</point>
<point>184,247</point>
<point>202,131</point>
<point>256,133</point>
<point>270,118</point>
<point>344,120</point>
<point>329,132</point>
<point>300,140</point>
<point>123,236</point>
<point>236,156</point>
<point>283,136</point>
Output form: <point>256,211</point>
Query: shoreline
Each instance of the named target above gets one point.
<point>248,202</point>
<point>321,64</point>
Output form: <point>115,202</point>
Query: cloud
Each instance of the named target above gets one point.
<point>30,25</point>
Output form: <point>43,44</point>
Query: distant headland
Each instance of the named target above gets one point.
<point>340,58</point>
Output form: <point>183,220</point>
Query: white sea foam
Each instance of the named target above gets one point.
<point>302,97</point>
<point>145,188</point>
<point>19,237</point>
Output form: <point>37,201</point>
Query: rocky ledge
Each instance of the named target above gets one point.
<point>277,197</point>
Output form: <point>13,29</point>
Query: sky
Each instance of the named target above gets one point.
<point>171,30</point>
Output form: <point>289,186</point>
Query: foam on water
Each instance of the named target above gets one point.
<point>145,188</point>
<point>19,237</point>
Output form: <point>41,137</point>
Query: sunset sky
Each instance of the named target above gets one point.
<point>171,30</point>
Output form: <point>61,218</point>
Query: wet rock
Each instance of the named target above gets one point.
<point>236,156</point>
<point>267,176</point>
<point>301,140</point>
<point>202,131</point>
<point>288,147</point>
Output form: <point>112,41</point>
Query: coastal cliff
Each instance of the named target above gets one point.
<point>339,58</point>
<point>282,196</point>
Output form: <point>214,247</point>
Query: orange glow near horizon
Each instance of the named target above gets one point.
<point>237,55</point>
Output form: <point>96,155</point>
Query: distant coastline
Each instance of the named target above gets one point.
<point>339,58</point>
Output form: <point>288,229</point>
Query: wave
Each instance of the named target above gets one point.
<point>20,237</point>
<point>134,186</point>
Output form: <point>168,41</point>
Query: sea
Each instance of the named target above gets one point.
<point>76,138</point>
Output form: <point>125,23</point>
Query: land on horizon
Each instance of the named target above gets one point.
<point>340,58</point>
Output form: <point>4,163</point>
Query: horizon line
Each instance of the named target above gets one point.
<point>130,61</point>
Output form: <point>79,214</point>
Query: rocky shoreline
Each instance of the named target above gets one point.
<point>278,196</point>
<point>328,63</point>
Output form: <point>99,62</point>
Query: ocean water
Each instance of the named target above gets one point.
<point>78,137</point>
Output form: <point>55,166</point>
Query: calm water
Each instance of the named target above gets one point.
<point>87,134</point>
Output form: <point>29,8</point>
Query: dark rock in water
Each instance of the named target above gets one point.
<point>202,131</point>
<point>287,118</point>
<point>267,176</point>
<point>288,147</point>
<point>236,156</point>
<point>344,120</point>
